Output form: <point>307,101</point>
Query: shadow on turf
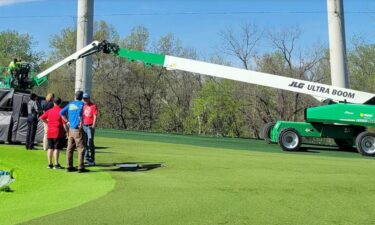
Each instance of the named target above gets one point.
<point>7,191</point>
<point>318,149</point>
<point>130,166</point>
<point>103,152</point>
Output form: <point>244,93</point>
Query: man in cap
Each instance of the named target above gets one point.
<point>89,116</point>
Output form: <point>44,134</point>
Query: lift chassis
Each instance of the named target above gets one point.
<point>343,122</point>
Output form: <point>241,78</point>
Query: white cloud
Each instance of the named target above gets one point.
<point>12,2</point>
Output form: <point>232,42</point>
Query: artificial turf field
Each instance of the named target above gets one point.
<point>203,181</point>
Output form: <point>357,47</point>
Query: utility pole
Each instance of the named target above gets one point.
<point>337,46</point>
<point>85,31</point>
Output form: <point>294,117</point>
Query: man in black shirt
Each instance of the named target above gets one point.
<point>32,121</point>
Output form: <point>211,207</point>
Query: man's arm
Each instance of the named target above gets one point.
<point>63,114</point>
<point>66,129</point>
<point>81,117</point>
<point>94,122</point>
<point>37,107</point>
<point>95,116</point>
<point>44,117</point>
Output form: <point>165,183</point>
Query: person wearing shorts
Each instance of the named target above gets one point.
<point>45,107</point>
<point>55,133</point>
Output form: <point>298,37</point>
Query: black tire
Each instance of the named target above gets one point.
<point>365,142</point>
<point>289,139</point>
<point>344,144</point>
<point>267,132</point>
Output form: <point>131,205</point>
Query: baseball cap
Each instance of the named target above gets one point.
<point>86,95</point>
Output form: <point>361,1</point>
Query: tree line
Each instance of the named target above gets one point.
<point>137,97</point>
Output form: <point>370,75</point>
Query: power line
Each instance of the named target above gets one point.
<point>182,13</point>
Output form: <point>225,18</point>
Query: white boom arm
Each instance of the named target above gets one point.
<point>87,50</point>
<point>321,91</point>
<point>317,90</point>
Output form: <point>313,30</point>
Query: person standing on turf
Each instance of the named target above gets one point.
<point>32,121</point>
<point>74,121</point>
<point>90,112</point>
<point>55,134</point>
<point>45,107</point>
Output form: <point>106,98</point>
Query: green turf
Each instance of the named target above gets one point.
<point>225,143</point>
<point>39,191</point>
<point>209,181</point>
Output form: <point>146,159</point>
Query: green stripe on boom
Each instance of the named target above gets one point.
<point>147,58</point>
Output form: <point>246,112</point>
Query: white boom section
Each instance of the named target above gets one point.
<point>72,57</point>
<point>317,90</point>
<point>321,91</point>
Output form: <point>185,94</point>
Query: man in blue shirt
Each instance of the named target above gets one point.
<point>75,137</point>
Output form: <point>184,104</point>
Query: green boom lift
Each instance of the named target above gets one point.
<point>344,118</point>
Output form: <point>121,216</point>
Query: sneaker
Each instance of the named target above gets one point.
<point>83,170</point>
<point>71,169</point>
<point>57,167</point>
<point>50,166</point>
<point>92,163</point>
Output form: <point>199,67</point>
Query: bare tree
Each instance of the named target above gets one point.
<point>296,64</point>
<point>241,43</point>
<point>179,87</point>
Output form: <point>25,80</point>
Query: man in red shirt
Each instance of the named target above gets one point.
<point>90,114</point>
<point>55,133</point>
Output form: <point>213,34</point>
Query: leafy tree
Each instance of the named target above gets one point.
<point>179,87</point>
<point>16,45</point>
<point>138,39</point>
<point>61,81</point>
<point>362,67</point>
<point>216,109</point>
